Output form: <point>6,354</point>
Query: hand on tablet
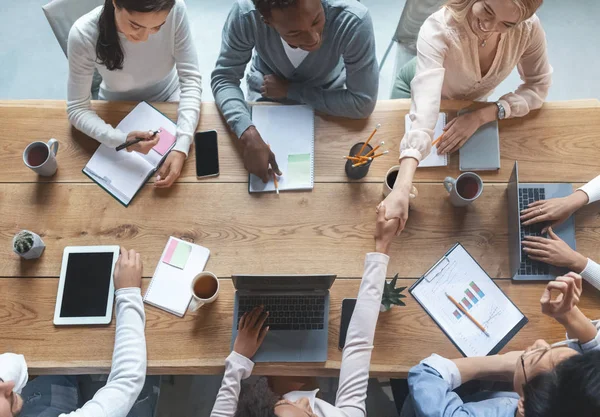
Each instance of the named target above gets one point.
<point>128,271</point>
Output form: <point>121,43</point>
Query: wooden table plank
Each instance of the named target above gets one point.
<point>327,230</point>
<point>556,143</point>
<point>200,342</point>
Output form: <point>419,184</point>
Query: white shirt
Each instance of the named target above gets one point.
<point>164,68</point>
<point>356,358</point>
<point>295,55</point>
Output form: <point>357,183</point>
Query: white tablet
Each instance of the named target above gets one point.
<point>86,290</point>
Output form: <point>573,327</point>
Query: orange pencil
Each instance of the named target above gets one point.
<point>359,164</point>
<point>368,140</point>
<point>375,149</point>
<point>380,154</point>
<point>466,313</point>
<point>276,182</point>
<point>437,140</point>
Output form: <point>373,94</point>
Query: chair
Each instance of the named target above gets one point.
<point>61,15</point>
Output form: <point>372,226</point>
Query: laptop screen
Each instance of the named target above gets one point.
<point>283,282</point>
<point>514,222</point>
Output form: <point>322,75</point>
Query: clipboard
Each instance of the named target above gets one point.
<point>455,270</point>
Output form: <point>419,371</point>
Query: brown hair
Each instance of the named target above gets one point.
<point>461,8</point>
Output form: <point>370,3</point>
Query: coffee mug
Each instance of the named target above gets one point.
<point>465,189</point>
<point>205,290</point>
<point>390,180</point>
<point>41,157</point>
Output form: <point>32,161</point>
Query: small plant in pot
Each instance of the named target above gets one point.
<point>28,245</point>
<point>392,296</point>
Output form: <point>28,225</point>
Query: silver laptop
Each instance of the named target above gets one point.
<point>298,307</point>
<point>519,197</point>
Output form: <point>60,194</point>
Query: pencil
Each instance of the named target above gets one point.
<point>466,313</point>
<point>359,164</point>
<point>375,149</point>
<point>380,154</point>
<point>134,141</point>
<point>437,140</point>
<point>276,182</point>
<point>368,140</point>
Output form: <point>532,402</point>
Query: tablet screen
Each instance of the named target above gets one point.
<point>87,285</point>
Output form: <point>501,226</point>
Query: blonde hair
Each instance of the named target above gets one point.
<point>461,8</point>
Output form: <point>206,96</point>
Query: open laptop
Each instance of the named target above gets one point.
<point>298,307</point>
<point>519,197</point>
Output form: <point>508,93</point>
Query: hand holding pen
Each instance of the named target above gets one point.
<point>140,141</point>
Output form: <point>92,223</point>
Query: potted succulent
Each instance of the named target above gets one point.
<point>28,245</point>
<point>392,296</point>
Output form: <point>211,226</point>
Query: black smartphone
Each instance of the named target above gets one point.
<point>207,154</point>
<point>348,305</point>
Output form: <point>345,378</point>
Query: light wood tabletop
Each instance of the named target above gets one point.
<point>327,230</point>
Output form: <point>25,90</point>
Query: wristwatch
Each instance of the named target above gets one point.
<point>501,111</point>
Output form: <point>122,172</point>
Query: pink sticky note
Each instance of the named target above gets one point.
<point>170,250</point>
<point>165,141</point>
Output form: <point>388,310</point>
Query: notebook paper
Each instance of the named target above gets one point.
<point>289,130</point>
<point>433,159</point>
<point>459,275</point>
<point>170,289</point>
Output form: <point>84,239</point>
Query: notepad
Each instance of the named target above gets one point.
<point>460,276</point>
<point>482,150</point>
<point>433,159</point>
<point>170,287</point>
<point>123,174</point>
<point>290,131</point>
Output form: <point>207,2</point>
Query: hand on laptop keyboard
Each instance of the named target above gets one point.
<point>251,332</point>
<point>554,211</point>
<point>554,251</point>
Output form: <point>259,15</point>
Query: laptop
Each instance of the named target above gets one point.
<point>519,197</point>
<point>298,307</point>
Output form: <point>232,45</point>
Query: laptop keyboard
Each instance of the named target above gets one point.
<point>529,266</point>
<point>287,312</point>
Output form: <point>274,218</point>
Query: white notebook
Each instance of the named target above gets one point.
<point>123,173</point>
<point>290,131</point>
<point>433,159</point>
<point>180,262</point>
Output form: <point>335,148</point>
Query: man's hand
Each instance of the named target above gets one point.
<point>554,251</point>
<point>258,155</point>
<point>145,146</point>
<point>274,87</point>
<point>458,132</point>
<point>569,290</point>
<point>555,210</point>
<point>251,332</point>
<point>385,231</point>
<point>170,169</point>
<point>128,270</point>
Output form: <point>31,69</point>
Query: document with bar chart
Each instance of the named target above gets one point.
<point>459,276</point>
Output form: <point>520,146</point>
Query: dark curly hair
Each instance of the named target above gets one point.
<point>256,400</point>
<point>265,6</point>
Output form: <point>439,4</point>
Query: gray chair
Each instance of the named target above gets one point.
<point>61,15</point>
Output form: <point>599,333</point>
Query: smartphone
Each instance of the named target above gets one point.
<point>348,305</point>
<point>207,154</point>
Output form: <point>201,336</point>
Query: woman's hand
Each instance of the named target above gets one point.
<point>569,290</point>
<point>555,210</point>
<point>251,332</point>
<point>149,142</point>
<point>554,251</point>
<point>396,203</point>
<point>170,170</point>
<point>458,132</point>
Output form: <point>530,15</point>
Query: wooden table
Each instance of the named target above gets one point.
<point>327,230</point>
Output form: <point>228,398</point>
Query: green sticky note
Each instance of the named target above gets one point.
<point>298,171</point>
<point>180,255</point>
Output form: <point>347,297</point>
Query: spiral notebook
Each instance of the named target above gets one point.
<point>433,159</point>
<point>290,131</point>
<point>170,287</point>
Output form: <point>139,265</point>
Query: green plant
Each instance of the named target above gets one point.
<point>23,242</point>
<point>392,296</point>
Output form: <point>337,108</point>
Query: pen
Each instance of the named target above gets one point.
<point>134,141</point>
<point>466,313</point>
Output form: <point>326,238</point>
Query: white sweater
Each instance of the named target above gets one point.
<point>128,371</point>
<point>591,273</point>
<point>164,68</point>
<point>356,358</point>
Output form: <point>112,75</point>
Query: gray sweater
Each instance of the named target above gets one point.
<point>341,78</point>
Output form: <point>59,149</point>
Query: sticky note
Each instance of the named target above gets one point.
<point>298,171</point>
<point>165,141</point>
<point>177,254</point>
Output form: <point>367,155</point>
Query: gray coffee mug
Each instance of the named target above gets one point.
<point>465,189</point>
<point>41,157</point>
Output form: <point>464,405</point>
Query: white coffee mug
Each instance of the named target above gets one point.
<point>197,301</point>
<point>387,188</point>
<point>465,189</point>
<point>41,157</point>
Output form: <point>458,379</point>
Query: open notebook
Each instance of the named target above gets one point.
<point>433,159</point>
<point>124,173</point>
<point>170,288</point>
<point>290,131</point>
